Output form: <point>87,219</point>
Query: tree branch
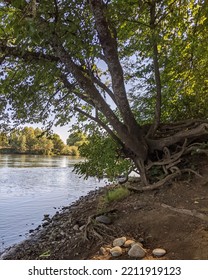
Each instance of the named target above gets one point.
<point>109,46</point>
<point>88,86</point>
<point>26,55</point>
<point>104,87</point>
<point>102,124</point>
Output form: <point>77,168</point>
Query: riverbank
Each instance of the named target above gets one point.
<point>174,218</point>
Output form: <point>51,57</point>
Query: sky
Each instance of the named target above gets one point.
<point>63,131</point>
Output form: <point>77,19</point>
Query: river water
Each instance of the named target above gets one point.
<point>31,186</point>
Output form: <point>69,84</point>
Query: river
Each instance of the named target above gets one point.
<point>31,186</point>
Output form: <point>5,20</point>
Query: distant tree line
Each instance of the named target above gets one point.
<point>35,141</point>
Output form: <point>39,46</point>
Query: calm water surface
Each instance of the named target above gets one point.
<point>31,186</point>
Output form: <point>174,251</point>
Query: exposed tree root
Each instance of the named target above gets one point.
<point>156,185</point>
<point>168,160</point>
<point>162,182</point>
<point>192,213</point>
<point>96,229</point>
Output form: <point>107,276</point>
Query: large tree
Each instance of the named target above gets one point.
<point>135,68</point>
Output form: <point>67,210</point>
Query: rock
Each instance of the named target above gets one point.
<point>45,224</point>
<point>159,252</point>
<point>76,227</point>
<point>102,251</point>
<point>149,238</point>
<point>46,218</point>
<point>138,243</point>
<point>141,240</point>
<point>119,241</point>
<point>116,251</point>
<point>129,243</point>
<point>82,227</point>
<point>103,219</point>
<point>136,251</point>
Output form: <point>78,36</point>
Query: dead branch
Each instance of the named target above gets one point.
<point>192,213</point>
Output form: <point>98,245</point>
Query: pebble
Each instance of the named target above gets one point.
<point>102,251</point>
<point>119,241</point>
<point>82,227</point>
<point>103,219</point>
<point>136,251</point>
<point>45,224</point>
<point>76,227</point>
<point>116,251</point>
<point>129,243</point>
<point>159,252</point>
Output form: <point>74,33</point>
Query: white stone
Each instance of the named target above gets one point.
<point>159,252</point>
<point>136,251</point>
<point>116,251</point>
<point>119,241</point>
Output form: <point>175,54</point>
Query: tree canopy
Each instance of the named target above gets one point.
<point>135,69</point>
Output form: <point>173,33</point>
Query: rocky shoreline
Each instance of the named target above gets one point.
<point>67,228</point>
<point>144,228</point>
<point>64,226</point>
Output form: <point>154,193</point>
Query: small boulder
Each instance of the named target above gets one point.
<point>137,251</point>
<point>116,251</point>
<point>119,241</point>
<point>103,219</point>
<point>159,252</point>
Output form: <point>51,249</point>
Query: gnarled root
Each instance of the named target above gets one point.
<point>165,180</point>
<point>94,229</point>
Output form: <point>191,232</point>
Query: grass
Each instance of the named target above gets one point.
<point>116,194</point>
<point>112,195</point>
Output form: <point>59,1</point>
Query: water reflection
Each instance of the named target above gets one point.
<point>31,186</point>
<point>22,161</point>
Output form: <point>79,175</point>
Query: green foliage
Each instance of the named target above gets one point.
<point>54,67</point>
<point>33,141</point>
<point>101,158</point>
<point>73,151</point>
<point>58,144</point>
<point>76,139</point>
<point>180,33</point>
<point>116,194</point>
<point>112,195</point>
<point>3,139</point>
